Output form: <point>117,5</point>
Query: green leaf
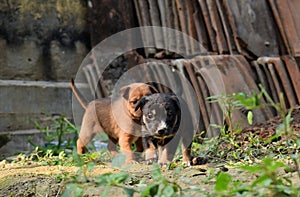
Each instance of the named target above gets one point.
<point>151,190</point>
<point>169,190</point>
<point>111,179</point>
<point>178,170</point>
<point>298,142</point>
<point>250,117</point>
<point>156,173</point>
<point>94,155</point>
<point>275,165</point>
<point>118,161</point>
<point>72,189</point>
<point>129,192</point>
<point>263,180</point>
<point>251,168</point>
<point>78,160</point>
<point>90,166</point>
<point>222,182</point>
<point>280,128</point>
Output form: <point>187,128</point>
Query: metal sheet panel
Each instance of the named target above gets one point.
<point>287,16</point>
<point>254,26</point>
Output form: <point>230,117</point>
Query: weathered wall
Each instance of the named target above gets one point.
<point>42,40</point>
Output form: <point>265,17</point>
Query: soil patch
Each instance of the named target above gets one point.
<point>267,129</point>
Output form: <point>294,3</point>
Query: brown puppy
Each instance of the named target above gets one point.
<point>118,119</point>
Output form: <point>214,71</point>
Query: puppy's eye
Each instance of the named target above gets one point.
<point>150,116</point>
<point>134,102</point>
<point>169,112</point>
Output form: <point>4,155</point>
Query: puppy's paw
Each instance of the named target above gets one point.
<point>131,161</point>
<point>151,161</point>
<point>199,161</point>
<point>187,163</point>
<point>164,162</point>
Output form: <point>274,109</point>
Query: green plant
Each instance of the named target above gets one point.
<point>160,186</point>
<point>86,163</point>
<point>260,180</point>
<point>42,157</point>
<point>284,130</point>
<point>253,101</point>
<point>114,180</point>
<point>55,133</point>
<point>268,180</point>
<point>230,135</point>
<point>228,105</point>
<point>267,171</point>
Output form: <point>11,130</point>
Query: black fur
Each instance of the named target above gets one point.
<point>162,119</point>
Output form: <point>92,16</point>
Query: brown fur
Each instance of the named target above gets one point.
<point>118,119</point>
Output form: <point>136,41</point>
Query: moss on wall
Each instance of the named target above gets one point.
<point>47,39</point>
<point>42,19</point>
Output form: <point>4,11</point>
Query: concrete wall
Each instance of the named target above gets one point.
<point>42,40</point>
<point>42,45</point>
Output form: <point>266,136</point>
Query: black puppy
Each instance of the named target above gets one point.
<point>163,123</point>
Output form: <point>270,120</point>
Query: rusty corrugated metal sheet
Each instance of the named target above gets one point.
<point>143,16</point>
<point>282,77</point>
<point>217,26</point>
<point>192,26</point>
<point>183,19</point>
<point>230,74</point>
<point>155,19</point>
<point>171,22</point>
<point>250,28</point>
<point>223,12</point>
<point>255,33</point>
<point>287,16</point>
<point>208,24</point>
<point>294,74</point>
<point>204,118</point>
<point>200,25</point>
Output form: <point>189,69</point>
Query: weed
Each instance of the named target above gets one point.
<point>268,181</point>
<point>228,104</point>
<point>55,134</point>
<point>160,186</point>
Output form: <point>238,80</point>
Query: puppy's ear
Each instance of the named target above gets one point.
<point>124,92</point>
<point>140,104</point>
<point>153,89</point>
<point>176,100</point>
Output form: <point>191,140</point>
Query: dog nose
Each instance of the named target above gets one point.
<point>161,131</point>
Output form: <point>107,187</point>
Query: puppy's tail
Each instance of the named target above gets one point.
<point>77,94</point>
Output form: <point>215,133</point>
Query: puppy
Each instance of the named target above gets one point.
<point>118,119</point>
<point>166,122</point>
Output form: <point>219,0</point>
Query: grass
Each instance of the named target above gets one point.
<point>258,168</point>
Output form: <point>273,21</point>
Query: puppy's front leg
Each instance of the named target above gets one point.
<point>186,154</point>
<point>80,147</point>
<point>112,147</point>
<point>150,152</point>
<point>168,151</point>
<point>163,155</point>
<point>125,142</point>
<point>166,155</point>
<point>186,148</point>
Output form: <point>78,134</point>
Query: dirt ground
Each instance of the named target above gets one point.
<point>267,129</point>
<point>36,180</point>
